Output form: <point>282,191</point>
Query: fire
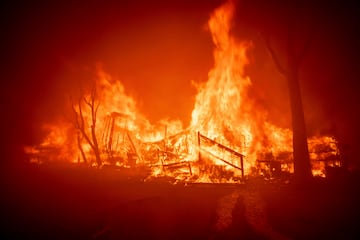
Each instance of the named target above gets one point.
<point>56,146</point>
<point>227,137</point>
<point>223,109</point>
<point>220,102</point>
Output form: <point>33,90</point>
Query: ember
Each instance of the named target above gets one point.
<point>227,139</point>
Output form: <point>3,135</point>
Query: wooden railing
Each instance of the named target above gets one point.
<point>222,147</point>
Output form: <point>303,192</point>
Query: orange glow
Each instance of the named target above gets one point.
<point>227,133</point>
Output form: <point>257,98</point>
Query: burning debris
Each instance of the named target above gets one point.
<point>228,138</point>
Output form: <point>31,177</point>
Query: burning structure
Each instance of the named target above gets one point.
<point>227,139</point>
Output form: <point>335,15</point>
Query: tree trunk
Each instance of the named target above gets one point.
<point>302,166</point>
<point>81,149</point>
<point>97,156</point>
<point>96,147</point>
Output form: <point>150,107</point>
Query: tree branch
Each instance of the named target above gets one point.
<point>76,123</point>
<point>82,125</point>
<point>80,122</point>
<point>273,55</point>
<point>96,109</point>
<point>87,101</point>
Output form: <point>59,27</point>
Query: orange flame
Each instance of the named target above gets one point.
<point>223,110</point>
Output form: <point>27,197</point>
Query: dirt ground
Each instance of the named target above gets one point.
<point>58,202</point>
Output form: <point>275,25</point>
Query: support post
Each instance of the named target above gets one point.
<point>242,166</point>
<point>199,146</point>
<point>133,145</point>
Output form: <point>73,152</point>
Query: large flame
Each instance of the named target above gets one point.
<point>227,137</point>
<point>223,109</point>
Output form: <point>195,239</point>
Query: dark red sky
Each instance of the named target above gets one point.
<point>157,48</point>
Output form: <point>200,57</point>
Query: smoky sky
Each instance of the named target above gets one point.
<point>157,48</point>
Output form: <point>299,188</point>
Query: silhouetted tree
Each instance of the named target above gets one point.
<point>292,25</point>
<point>81,124</point>
<point>294,56</point>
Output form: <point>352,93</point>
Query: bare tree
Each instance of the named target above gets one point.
<point>81,124</point>
<point>289,69</point>
<point>288,29</point>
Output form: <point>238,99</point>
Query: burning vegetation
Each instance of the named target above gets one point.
<point>228,137</point>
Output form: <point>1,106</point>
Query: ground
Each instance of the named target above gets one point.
<point>58,202</point>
